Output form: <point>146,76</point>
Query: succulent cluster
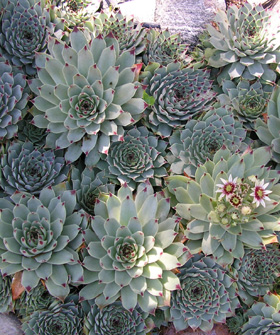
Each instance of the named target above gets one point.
<point>24,29</point>
<point>140,156</point>
<point>226,207</point>
<point>131,250</point>
<point>178,95</point>
<point>208,295</point>
<point>263,317</point>
<point>29,169</point>
<point>86,96</point>
<point>139,179</point>
<point>13,99</point>
<point>201,139</point>
<point>243,45</point>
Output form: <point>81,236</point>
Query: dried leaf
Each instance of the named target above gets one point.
<point>17,288</point>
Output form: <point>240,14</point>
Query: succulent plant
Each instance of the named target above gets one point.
<point>59,318</point>
<point>131,250</point>
<point>35,300</point>
<point>24,29</point>
<point>201,139</point>
<point>231,203</point>
<point>129,33</point>
<point>178,95</point>
<point>140,156</point>
<point>256,273</point>
<point>27,131</point>
<point>268,132</point>
<point>5,294</point>
<point>83,101</point>
<point>243,43</point>
<point>208,295</point>
<point>247,101</point>
<point>13,99</point>
<point>39,236</point>
<point>29,169</point>
<point>162,47</point>
<point>115,320</point>
<point>263,317</point>
<point>88,184</point>
<point>236,322</point>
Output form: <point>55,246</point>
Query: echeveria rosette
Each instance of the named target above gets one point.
<point>131,250</point>
<point>5,294</point>
<point>86,95</point>
<point>115,320</point>
<point>264,317</point>
<point>29,302</point>
<point>29,169</point>
<point>247,101</point>
<point>40,236</point>
<point>256,273</point>
<point>88,184</point>
<point>24,30</point>
<point>178,95</point>
<point>231,203</point>
<point>27,131</point>
<point>162,47</point>
<point>201,139</point>
<point>236,322</point>
<point>208,295</point>
<point>129,33</point>
<point>140,156</point>
<point>244,44</point>
<point>13,99</point>
<point>59,318</point>
<point>268,132</point>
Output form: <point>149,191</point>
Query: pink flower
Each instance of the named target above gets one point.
<point>227,188</point>
<point>260,193</point>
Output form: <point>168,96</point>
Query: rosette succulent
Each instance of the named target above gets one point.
<point>24,29</point>
<point>88,184</point>
<point>232,203</point>
<point>243,43</point>
<point>86,95</point>
<point>5,294</point>
<point>140,156</point>
<point>178,95</point>
<point>162,47</point>
<point>247,101</point>
<point>39,236</point>
<point>236,322</point>
<point>59,318</point>
<point>129,33</point>
<point>115,320</point>
<point>268,132</point>
<point>208,295</point>
<point>256,273</point>
<point>29,169</point>
<point>201,139</point>
<point>27,131</point>
<point>263,317</point>
<point>35,300</point>
<point>13,99</point>
<point>131,250</point>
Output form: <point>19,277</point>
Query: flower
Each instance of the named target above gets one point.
<point>260,193</point>
<point>225,234</point>
<point>227,188</point>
